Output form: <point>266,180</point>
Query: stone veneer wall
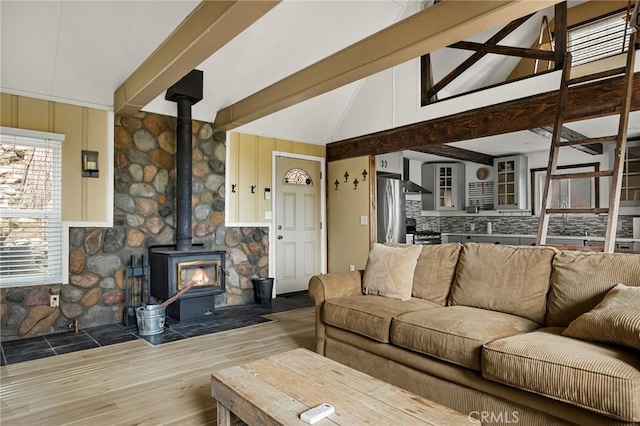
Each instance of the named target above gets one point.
<point>144,215</point>
<point>519,224</point>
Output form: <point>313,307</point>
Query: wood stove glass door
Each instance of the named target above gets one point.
<point>297,223</point>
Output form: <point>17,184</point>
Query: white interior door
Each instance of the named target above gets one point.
<point>297,223</point>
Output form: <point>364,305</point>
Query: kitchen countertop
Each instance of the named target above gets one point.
<point>568,237</point>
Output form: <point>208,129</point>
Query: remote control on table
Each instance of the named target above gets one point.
<point>315,414</point>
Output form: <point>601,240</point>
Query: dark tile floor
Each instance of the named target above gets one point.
<point>224,318</point>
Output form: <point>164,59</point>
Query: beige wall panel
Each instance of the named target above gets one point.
<point>96,140</point>
<point>84,128</point>
<point>7,111</point>
<point>68,121</point>
<point>247,176</point>
<point>33,114</point>
<point>348,241</point>
<point>317,150</point>
<point>283,145</point>
<point>265,149</point>
<point>232,167</point>
<point>250,163</point>
<point>300,148</point>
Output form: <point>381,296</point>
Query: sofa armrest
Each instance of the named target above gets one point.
<point>335,284</point>
<point>328,286</point>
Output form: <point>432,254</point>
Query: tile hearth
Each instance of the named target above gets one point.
<point>224,318</point>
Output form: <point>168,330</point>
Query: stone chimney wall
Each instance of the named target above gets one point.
<point>144,215</point>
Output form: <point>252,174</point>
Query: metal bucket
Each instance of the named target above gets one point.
<point>150,319</point>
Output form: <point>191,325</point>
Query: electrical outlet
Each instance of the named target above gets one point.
<point>352,268</point>
<point>54,300</point>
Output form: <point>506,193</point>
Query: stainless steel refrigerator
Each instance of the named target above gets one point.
<point>391,211</point>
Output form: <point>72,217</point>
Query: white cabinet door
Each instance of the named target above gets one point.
<point>446,182</point>
<point>390,163</point>
<point>511,182</point>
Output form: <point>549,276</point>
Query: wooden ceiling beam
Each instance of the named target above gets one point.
<point>435,27</point>
<point>456,153</point>
<point>506,117</point>
<point>521,52</point>
<point>479,54</point>
<point>211,25</point>
<point>570,135</point>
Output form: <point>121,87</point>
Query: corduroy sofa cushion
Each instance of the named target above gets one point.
<point>510,279</point>
<point>614,320</point>
<point>369,315</point>
<point>389,271</point>
<point>581,280</point>
<point>597,377</point>
<point>455,333</point>
<point>435,269</point>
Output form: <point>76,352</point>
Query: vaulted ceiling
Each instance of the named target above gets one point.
<point>82,52</point>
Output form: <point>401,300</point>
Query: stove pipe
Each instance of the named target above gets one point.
<point>186,92</point>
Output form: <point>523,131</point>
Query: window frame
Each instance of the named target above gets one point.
<point>54,233</point>
<point>536,191</point>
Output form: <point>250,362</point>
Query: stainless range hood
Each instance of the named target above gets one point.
<point>409,186</point>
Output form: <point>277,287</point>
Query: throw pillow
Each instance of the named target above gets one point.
<point>389,271</point>
<point>614,320</point>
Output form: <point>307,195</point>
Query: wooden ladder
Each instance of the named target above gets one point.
<point>620,140</point>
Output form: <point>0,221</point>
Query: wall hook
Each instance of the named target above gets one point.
<point>336,183</point>
<point>253,189</point>
<point>233,187</point>
<point>364,175</point>
<point>355,183</point>
<point>346,176</point>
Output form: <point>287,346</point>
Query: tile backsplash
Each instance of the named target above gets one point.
<point>573,225</point>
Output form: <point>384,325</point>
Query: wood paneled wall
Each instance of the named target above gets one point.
<point>83,199</point>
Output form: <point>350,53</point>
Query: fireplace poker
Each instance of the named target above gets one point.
<point>180,293</point>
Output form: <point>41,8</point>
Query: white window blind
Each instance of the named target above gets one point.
<point>599,39</point>
<point>30,208</point>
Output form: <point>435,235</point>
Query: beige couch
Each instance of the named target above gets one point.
<point>482,331</point>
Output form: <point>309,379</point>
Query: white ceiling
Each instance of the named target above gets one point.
<point>81,51</point>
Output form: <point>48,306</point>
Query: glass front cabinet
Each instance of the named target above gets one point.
<point>446,182</point>
<point>630,191</point>
<point>511,182</point>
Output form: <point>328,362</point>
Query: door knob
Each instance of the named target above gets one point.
<point>279,237</point>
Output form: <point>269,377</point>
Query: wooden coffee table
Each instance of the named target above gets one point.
<point>277,389</point>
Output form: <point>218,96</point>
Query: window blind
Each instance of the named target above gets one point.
<point>30,209</point>
<point>599,39</point>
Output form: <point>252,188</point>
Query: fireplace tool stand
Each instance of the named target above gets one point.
<point>137,287</point>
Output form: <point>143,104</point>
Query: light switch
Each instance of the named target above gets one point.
<point>268,215</point>
<point>364,220</point>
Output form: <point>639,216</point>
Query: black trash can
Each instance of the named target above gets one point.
<point>263,289</point>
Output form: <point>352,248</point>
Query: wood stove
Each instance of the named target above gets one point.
<point>172,270</point>
<point>173,267</point>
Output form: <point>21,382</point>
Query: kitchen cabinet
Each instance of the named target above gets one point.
<point>527,241</point>
<point>446,182</point>
<point>511,182</point>
<point>460,239</point>
<point>390,163</point>
<point>555,241</point>
<point>499,239</point>
<point>630,191</point>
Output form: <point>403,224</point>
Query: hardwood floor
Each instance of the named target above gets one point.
<point>137,383</point>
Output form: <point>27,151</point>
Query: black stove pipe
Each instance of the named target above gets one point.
<point>184,162</point>
<point>186,93</point>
